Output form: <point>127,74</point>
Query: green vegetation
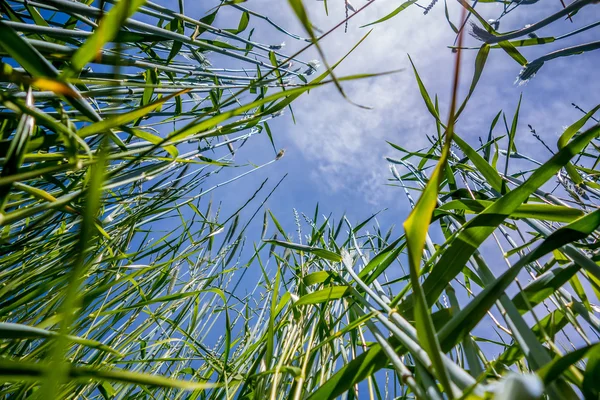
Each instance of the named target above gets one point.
<point>97,300</point>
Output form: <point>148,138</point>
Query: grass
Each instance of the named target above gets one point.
<point>122,277</point>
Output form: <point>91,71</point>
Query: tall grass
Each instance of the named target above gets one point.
<point>110,290</point>
<point>114,132</point>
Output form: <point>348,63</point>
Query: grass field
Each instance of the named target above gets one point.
<point>121,275</point>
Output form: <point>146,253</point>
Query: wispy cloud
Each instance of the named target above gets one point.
<point>346,145</point>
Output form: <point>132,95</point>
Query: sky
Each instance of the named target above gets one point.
<point>335,151</point>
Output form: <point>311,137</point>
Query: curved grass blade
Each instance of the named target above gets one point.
<point>20,370</point>
<point>322,253</point>
<point>396,11</point>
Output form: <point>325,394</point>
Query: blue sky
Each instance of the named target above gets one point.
<point>336,151</point>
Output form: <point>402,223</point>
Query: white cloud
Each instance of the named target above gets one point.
<point>346,144</point>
